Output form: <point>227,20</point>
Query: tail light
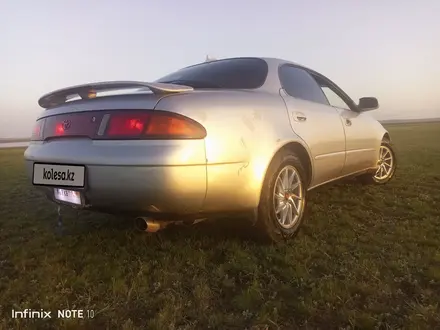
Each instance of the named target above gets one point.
<point>119,125</point>
<point>37,132</point>
<point>126,125</point>
<point>154,124</point>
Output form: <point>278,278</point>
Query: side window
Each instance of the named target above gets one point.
<point>334,99</point>
<point>300,84</point>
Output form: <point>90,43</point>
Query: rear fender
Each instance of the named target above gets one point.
<point>245,130</point>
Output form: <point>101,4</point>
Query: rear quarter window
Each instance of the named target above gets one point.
<point>239,73</point>
<point>300,84</point>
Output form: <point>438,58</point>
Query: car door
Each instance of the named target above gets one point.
<point>360,140</point>
<point>316,122</point>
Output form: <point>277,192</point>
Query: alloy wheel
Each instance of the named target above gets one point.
<point>385,162</point>
<point>288,197</point>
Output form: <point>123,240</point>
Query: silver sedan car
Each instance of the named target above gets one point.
<point>238,136</point>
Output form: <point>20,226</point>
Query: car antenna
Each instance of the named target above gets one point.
<point>210,59</point>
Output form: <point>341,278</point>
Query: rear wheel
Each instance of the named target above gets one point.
<point>387,164</point>
<point>283,199</point>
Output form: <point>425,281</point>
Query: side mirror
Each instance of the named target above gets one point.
<point>368,103</point>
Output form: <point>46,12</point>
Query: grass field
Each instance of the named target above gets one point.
<point>11,140</point>
<point>368,257</point>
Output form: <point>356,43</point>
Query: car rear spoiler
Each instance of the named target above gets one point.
<point>88,91</point>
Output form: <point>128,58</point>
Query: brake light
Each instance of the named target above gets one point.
<point>127,124</point>
<point>59,129</point>
<point>37,132</point>
<point>118,125</point>
<point>154,124</point>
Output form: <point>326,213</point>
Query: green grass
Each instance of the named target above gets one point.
<point>368,257</point>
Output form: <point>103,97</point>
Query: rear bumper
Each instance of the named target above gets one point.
<point>132,176</point>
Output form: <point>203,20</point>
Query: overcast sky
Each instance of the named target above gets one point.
<point>388,49</point>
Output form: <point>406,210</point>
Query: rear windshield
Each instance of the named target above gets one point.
<point>239,73</point>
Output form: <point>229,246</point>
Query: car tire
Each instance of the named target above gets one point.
<point>269,217</point>
<point>375,178</point>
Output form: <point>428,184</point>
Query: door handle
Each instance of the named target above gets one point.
<point>347,122</point>
<point>299,116</point>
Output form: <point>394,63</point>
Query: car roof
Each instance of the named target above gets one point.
<point>279,61</point>
<point>270,61</point>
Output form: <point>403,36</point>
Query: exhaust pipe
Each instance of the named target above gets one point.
<point>150,225</point>
<point>147,224</point>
